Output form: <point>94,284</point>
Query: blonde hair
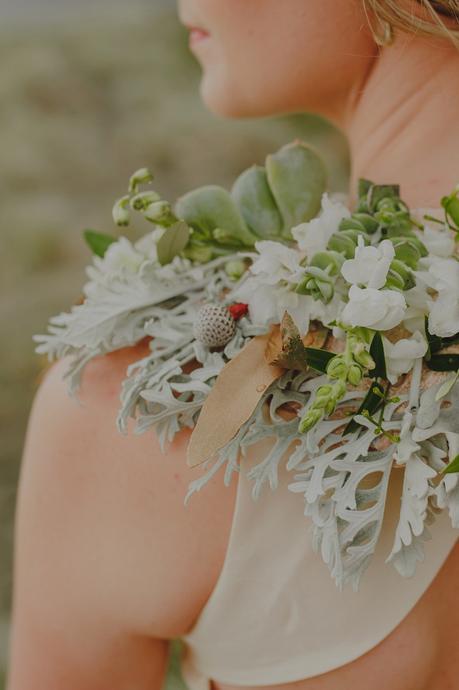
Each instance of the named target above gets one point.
<point>435,18</point>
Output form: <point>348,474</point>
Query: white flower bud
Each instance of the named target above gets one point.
<point>141,176</point>
<point>120,211</point>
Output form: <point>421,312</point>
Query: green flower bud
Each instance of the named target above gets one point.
<point>399,268</point>
<point>305,286</point>
<point>337,368</point>
<point>386,210</point>
<point>317,281</point>
<point>120,211</point>
<point>354,374</point>
<point>412,240</point>
<point>320,403</point>
<point>330,407</point>
<point>328,261</point>
<point>160,212</point>
<point>226,237</point>
<point>325,291</point>
<point>407,253</point>
<point>310,419</point>
<point>339,389</point>
<point>400,224</point>
<point>451,205</point>
<point>363,222</point>
<point>141,201</point>
<point>364,358</point>
<point>394,281</point>
<point>142,176</point>
<point>199,253</point>
<point>323,395</point>
<point>235,268</point>
<point>346,241</point>
<point>324,391</point>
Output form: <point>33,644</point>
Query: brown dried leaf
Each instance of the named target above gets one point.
<point>286,348</point>
<point>235,394</point>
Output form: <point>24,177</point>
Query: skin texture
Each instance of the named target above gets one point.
<point>109,565</point>
<point>263,57</point>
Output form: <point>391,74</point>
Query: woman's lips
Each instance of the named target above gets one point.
<point>197,35</point>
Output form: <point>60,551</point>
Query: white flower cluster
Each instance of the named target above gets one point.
<point>125,260</point>
<point>361,298</point>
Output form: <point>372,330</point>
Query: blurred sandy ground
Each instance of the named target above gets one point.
<point>89,92</point>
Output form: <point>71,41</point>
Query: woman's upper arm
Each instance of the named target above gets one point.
<point>104,544</point>
<point>67,633</point>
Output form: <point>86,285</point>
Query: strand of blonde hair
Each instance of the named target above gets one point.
<point>441,17</point>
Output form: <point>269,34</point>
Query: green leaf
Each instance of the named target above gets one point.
<point>377,353</point>
<point>453,466</point>
<point>297,177</point>
<point>449,362</point>
<point>363,186</point>
<point>318,359</point>
<point>256,203</point>
<point>210,207</point>
<point>173,240</point>
<point>371,402</point>
<point>98,241</point>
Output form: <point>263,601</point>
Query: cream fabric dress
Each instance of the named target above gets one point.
<point>275,615</point>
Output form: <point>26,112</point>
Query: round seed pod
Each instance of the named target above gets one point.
<point>214,325</point>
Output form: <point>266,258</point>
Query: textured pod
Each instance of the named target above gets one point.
<point>214,325</point>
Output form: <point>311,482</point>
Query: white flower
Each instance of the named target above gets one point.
<point>400,356</point>
<point>437,237</point>
<point>313,236</point>
<point>444,315</point>
<point>120,257</point>
<point>147,244</point>
<point>276,262</point>
<point>377,309</point>
<point>443,277</point>
<point>445,274</point>
<point>438,242</point>
<point>370,265</point>
<point>267,303</point>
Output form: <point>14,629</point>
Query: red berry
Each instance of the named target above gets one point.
<point>238,309</point>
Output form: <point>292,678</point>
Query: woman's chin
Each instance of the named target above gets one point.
<point>224,100</point>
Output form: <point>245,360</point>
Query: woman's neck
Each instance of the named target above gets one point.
<point>403,121</point>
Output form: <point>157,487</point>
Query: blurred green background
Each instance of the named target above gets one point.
<point>89,93</point>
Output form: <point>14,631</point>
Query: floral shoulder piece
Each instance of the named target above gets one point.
<point>274,310</point>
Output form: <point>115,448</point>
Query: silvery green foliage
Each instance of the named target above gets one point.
<point>347,517</point>
<point>284,389</point>
<point>415,513</point>
<point>157,392</point>
<point>119,304</point>
<point>434,439</point>
<point>345,529</point>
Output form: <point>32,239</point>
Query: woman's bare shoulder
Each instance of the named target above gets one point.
<point>114,524</point>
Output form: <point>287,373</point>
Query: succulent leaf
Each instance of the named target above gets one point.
<point>255,201</point>
<point>210,207</point>
<point>297,177</point>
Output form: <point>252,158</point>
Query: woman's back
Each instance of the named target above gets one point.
<point>112,564</point>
